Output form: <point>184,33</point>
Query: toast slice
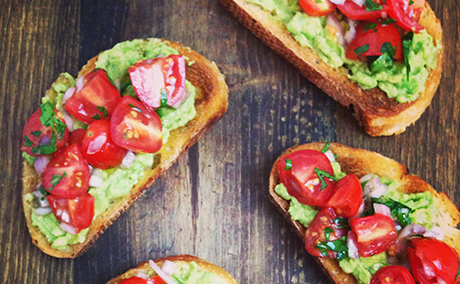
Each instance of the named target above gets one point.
<point>211,103</point>
<point>145,268</point>
<point>361,162</point>
<point>373,109</point>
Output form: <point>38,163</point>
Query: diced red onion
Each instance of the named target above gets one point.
<point>37,193</point>
<point>142,275</point>
<point>117,84</point>
<point>40,163</point>
<point>331,20</point>
<point>435,232</point>
<point>95,180</point>
<point>69,229</point>
<point>360,210</point>
<point>80,83</point>
<point>359,2</point>
<point>169,267</point>
<point>68,93</point>
<point>68,120</point>
<point>161,273</point>
<point>352,249</point>
<point>42,211</point>
<point>96,144</point>
<point>351,33</point>
<point>43,202</point>
<point>382,209</point>
<point>338,2</point>
<point>330,156</point>
<point>365,178</point>
<point>128,160</point>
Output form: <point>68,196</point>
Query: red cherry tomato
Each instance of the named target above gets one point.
<point>76,137</point>
<point>315,233</point>
<point>137,280</point>
<point>406,13</point>
<point>135,127</point>
<point>96,100</point>
<point>160,81</point>
<point>370,37</point>
<point>393,274</point>
<point>356,12</point>
<point>77,212</point>
<point>301,181</point>
<point>37,139</point>
<point>67,174</point>
<point>317,8</point>
<point>431,260</point>
<point>347,197</point>
<point>373,234</point>
<point>98,147</point>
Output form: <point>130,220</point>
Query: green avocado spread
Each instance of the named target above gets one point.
<point>313,32</point>
<point>190,273</point>
<point>116,182</point>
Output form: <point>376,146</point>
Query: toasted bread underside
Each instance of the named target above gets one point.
<point>211,103</point>
<point>202,264</point>
<point>378,114</point>
<point>361,162</point>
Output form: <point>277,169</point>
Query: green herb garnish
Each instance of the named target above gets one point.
<point>164,98</point>
<point>288,165</point>
<point>361,50</point>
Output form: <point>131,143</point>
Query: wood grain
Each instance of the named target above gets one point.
<point>214,202</point>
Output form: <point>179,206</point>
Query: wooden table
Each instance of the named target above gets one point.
<point>213,203</point>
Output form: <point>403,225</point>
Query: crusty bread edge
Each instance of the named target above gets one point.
<point>374,110</point>
<point>211,103</point>
<point>361,162</point>
<point>202,264</point>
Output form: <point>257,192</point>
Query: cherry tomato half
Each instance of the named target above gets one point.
<point>373,234</point>
<point>135,127</point>
<point>356,12</point>
<point>393,274</point>
<point>317,8</point>
<point>67,174</point>
<point>77,212</point>
<point>301,180</point>
<point>407,13</point>
<point>370,37</point>
<point>96,100</point>
<point>160,81</point>
<point>137,280</point>
<point>431,260</point>
<point>98,147</point>
<point>347,196</point>
<point>37,139</point>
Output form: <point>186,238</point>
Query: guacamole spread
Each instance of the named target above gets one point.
<point>313,32</point>
<point>190,273</point>
<point>116,182</point>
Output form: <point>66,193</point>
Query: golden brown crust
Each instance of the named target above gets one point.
<point>361,162</point>
<point>204,265</point>
<point>211,103</point>
<point>378,114</point>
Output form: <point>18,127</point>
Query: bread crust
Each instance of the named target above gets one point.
<point>361,162</point>
<point>380,115</point>
<point>211,103</point>
<point>144,267</point>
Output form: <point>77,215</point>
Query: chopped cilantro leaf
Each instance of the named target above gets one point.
<point>164,98</point>
<point>27,141</point>
<point>326,148</point>
<point>36,133</point>
<point>372,6</point>
<point>96,116</point>
<point>288,165</point>
<point>103,110</point>
<point>370,26</point>
<point>361,50</point>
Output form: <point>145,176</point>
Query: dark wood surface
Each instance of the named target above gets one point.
<point>213,203</point>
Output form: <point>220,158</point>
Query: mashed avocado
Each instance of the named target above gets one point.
<point>190,273</point>
<point>116,182</point>
<point>364,267</point>
<point>313,32</point>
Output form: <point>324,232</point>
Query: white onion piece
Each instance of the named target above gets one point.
<point>38,186</point>
<point>96,144</point>
<point>40,163</point>
<point>330,156</point>
<point>69,229</point>
<point>360,210</point>
<point>379,191</point>
<point>95,180</point>
<point>117,84</point>
<point>337,2</point>
<point>37,193</point>
<point>435,232</point>
<point>128,160</point>
<point>43,202</point>
<point>332,21</point>
<point>169,267</point>
<point>352,249</point>
<point>68,120</point>
<point>365,178</point>
<point>142,275</point>
<point>68,93</point>
<point>80,83</point>
<point>351,33</point>
<point>359,2</point>
<point>382,209</point>
<point>42,211</point>
<point>161,273</point>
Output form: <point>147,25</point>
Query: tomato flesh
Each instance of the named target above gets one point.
<point>135,127</point>
<point>138,280</point>
<point>76,136</point>
<point>407,13</point>
<point>77,212</point>
<point>317,8</point>
<point>301,180</point>
<point>67,174</point>
<point>347,197</point>
<point>98,147</point>
<point>356,12</point>
<point>373,234</point>
<point>374,35</point>
<point>393,274</point>
<point>160,81</point>
<point>96,100</point>
<point>431,260</point>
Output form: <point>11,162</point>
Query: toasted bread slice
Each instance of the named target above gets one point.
<point>361,162</point>
<point>145,268</point>
<point>211,103</point>
<point>378,114</point>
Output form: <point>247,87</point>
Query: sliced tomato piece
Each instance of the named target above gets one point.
<point>356,12</point>
<point>96,100</point>
<point>347,196</point>
<point>371,37</point>
<point>76,137</point>
<point>393,274</point>
<point>160,81</point>
<point>135,127</point>
<point>373,234</point>
<point>45,138</point>
<point>67,174</point>
<point>317,8</point>
<point>98,147</point>
<point>301,180</point>
<point>407,13</point>
<point>137,280</point>
<point>77,212</point>
<point>432,260</point>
